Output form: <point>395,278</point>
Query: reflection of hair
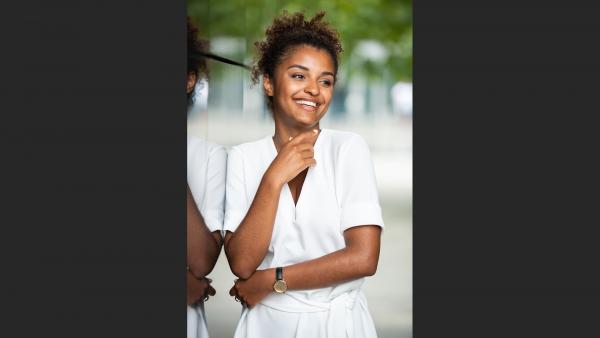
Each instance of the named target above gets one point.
<point>289,31</point>
<point>196,48</point>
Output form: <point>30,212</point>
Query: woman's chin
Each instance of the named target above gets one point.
<point>307,125</point>
<point>308,121</point>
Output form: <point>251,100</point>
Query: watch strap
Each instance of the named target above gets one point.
<point>278,273</point>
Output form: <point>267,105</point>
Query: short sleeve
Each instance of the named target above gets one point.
<point>236,201</point>
<point>213,206</point>
<point>359,201</point>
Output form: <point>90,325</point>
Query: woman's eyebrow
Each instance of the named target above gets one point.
<point>306,69</point>
<point>298,66</point>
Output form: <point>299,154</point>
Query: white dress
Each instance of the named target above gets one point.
<point>338,193</point>
<point>206,172</point>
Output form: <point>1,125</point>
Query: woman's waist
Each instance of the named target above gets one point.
<point>316,300</point>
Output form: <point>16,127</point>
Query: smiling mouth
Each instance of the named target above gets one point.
<point>308,103</point>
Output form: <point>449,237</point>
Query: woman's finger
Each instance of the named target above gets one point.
<point>305,137</point>
<point>309,153</point>
<point>303,146</point>
<point>309,162</point>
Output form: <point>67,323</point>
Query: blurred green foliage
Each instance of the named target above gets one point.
<point>388,22</point>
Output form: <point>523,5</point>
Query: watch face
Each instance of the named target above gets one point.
<point>280,286</point>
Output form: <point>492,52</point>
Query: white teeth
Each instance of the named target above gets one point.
<point>308,103</point>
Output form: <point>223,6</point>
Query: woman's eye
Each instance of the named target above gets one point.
<point>298,76</point>
<point>326,83</point>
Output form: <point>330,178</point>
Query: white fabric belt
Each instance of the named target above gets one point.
<point>341,302</point>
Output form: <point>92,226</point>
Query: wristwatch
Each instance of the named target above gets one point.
<point>280,285</point>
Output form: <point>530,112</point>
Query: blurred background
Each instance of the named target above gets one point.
<point>373,97</point>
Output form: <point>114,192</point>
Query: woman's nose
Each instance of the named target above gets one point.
<point>311,88</point>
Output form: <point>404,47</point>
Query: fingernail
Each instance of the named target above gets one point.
<point>315,131</point>
<point>289,139</point>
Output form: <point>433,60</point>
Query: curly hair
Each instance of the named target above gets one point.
<point>289,31</point>
<point>196,48</point>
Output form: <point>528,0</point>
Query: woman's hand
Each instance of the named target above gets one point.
<point>294,156</point>
<point>198,289</point>
<point>254,289</point>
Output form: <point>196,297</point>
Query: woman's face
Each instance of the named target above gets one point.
<point>302,86</point>
<point>191,82</point>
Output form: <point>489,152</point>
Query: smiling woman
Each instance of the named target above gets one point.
<point>302,218</point>
<point>289,33</point>
<point>301,88</point>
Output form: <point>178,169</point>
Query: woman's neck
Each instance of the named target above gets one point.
<point>283,133</point>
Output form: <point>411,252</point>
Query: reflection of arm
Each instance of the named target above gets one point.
<point>203,247</point>
<point>213,205</point>
<point>205,201</point>
<point>198,288</point>
<point>247,247</point>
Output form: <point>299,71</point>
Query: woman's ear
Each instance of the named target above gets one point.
<point>191,82</point>
<point>267,85</point>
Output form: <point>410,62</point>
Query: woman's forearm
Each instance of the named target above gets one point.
<point>358,259</point>
<point>247,247</point>
<point>203,247</point>
<point>337,267</point>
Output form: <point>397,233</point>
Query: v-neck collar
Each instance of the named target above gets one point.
<point>308,173</point>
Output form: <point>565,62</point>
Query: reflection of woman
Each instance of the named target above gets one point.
<point>205,199</point>
<point>302,214</point>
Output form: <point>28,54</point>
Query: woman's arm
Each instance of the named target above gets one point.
<point>203,247</point>
<point>358,259</point>
<point>198,289</point>
<point>248,245</point>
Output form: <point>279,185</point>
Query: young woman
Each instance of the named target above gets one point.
<point>205,203</point>
<point>302,215</point>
